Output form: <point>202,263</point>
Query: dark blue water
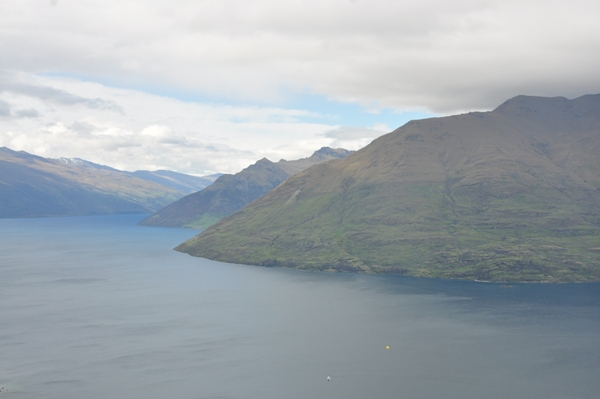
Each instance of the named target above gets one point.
<point>97,307</point>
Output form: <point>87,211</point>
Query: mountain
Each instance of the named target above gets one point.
<point>179,181</point>
<point>230,193</point>
<point>321,155</point>
<point>33,186</point>
<point>507,195</point>
<point>185,183</point>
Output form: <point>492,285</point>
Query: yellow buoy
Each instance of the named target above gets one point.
<point>387,347</point>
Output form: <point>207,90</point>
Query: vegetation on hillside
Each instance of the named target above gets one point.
<point>507,195</point>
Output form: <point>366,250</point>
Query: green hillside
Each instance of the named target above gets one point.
<point>507,195</point>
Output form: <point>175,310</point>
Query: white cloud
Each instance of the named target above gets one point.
<point>354,138</point>
<point>436,55</point>
<point>144,131</point>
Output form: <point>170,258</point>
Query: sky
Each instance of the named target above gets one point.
<point>206,86</point>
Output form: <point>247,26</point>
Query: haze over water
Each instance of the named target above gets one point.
<point>97,307</point>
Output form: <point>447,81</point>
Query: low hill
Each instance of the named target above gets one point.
<point>230,193</point>
<point>33,186</point>
<point>507,195</point>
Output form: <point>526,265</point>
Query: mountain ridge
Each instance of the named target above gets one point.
<point>505,195</point>
<point>33,186</point>
<point>230,193</point>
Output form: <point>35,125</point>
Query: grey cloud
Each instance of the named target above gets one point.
<point>53,95</point>
<point>120,144</point>
<point>84,128</point>
<point>444,56</point>
<point>9,82</point>
<point>4,109</point>
<point>7,112</point>
<point>27,113</point>
<point>177,140</point>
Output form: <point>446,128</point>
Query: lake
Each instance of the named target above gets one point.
<point>98,307</point>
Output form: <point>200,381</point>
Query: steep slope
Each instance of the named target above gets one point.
<point>230,193</point>
<point>32,186</point>
<point>511,194</point>
<point>226,195</point>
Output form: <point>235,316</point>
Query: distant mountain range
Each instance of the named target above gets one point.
<point>185,183</point>
<point>507,195</point>
<point>230,193</point>
<point>33,186</point>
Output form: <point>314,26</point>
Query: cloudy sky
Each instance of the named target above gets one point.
<point>203,86</point>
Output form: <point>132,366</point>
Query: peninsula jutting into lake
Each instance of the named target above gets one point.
<point>507,195</point>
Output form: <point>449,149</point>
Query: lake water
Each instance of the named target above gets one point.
<point>98,307</point>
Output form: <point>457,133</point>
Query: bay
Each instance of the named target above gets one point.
<point>96,307</point>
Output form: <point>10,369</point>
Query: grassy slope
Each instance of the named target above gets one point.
<point>506,195</point>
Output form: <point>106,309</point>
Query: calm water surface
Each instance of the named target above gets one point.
<point>97,307</point>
